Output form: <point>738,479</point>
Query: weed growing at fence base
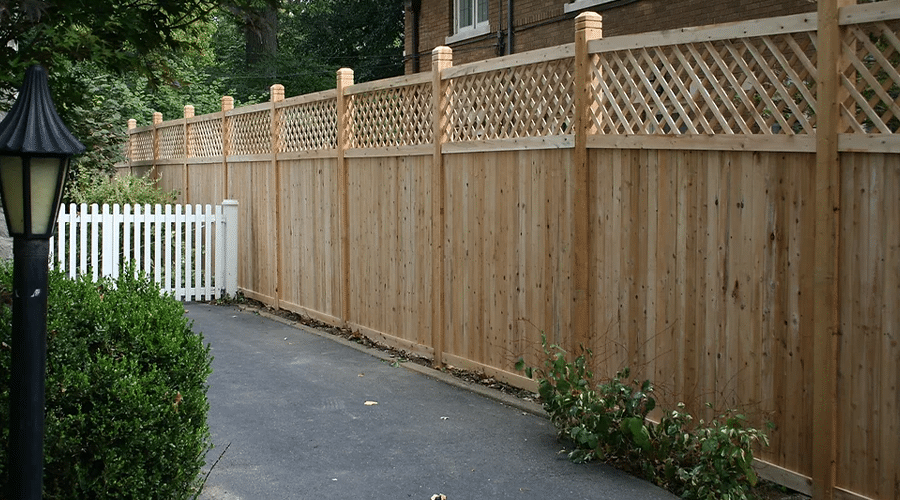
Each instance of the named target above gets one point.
<point>126,390</point>
<point>710,460</point>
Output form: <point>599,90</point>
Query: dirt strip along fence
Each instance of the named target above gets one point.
<point>710,207</point>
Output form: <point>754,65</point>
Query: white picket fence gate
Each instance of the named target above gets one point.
<point>190,251</point>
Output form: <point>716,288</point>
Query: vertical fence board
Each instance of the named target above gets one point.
<point>869,353</point>
<point>168,228</point>
<point>73,217</point>
<point>220,235</point>
<point>309,236</point>
<point>127,225</point>
<point>157,244</point>
<point>207,288</point>
<point>94,262</point>
<point>389,273</point>
<point>187,264</point>
<point>889,373</point>
<point>178,284</point>
<point>252,184</point>
<point>136,251</point>
<point>205,183</point>
<point>689,276</point>
<point>499,317</point>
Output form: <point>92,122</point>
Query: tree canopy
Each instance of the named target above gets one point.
<point>105,58</point>
<point>116,35</point>
<point>110,60</point>
<point>312,40</point>
<point>165,49</point>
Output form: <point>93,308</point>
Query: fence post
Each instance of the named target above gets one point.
<point>826,295</point>
<point>230,233</point>
<point>588,26</point>
<point>157,120</point>
<point>344,80</point>
<point>185,186</point>
<point>132,124</point>
<point>276,95</point>
<point>227,105</point>
<point>441,59</point>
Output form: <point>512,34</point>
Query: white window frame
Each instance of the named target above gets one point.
<point>583,4</point>
<point>477,28</point>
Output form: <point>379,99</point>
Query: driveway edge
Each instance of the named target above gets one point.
<point>506,399</point>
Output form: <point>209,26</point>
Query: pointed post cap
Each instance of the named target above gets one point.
<point>32,125</point>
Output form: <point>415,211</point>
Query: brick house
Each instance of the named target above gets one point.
<point>479,29</point>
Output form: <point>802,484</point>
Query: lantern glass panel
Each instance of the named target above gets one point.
<point>44,199</point>
<point>11,174</point>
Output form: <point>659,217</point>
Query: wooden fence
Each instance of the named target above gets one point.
<point>716,208</point>
<point>189,251</point>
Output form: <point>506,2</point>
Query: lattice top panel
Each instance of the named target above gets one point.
<point>755,85</point>
<point>171,142</point>
<point>142,146</point>
<point>206,138</point>
<point>871,79</point>
<point>250,133</point>
<point>309,126</point>
<point>391,117</point>
<point>524,101</point>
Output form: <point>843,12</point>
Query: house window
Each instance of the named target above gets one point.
<point>470,19</point>
<point>573,5</point>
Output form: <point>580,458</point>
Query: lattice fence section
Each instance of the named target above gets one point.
<point>206,138</point>
<point>171,142</point>
<point>309,126</point>
<point>142,146</point>
<point>757,85</point>
<point>525,101</point>
<point>871,79</point>
<point>391,117</point>
<point>249,133</point>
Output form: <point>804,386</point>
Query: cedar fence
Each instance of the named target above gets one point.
<point>716,208</point>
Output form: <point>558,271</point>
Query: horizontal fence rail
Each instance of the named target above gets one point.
<point>707,206</point>
<point>183,248</point>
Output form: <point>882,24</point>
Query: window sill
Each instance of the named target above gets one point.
<point>482,30</point>
<point>583,4</point>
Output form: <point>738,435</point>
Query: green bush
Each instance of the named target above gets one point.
<point>709,461</point>
<point>125,393</point>
<point>119,189</point>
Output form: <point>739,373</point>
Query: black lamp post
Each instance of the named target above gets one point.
<point>35,147</point>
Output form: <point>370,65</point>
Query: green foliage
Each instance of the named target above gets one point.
<point>125,393</point>
<point>92,107</point>
<point>117,35</point>
<point>188,80</point>
<point>249,81</point>
<point>120,189</point>
<point>707,461</point>
<point>314,39</point>
<point>111,60</point>
<point>722,468</point>
<point>369,41</point>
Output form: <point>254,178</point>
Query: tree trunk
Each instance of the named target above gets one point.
<point>260,36</point>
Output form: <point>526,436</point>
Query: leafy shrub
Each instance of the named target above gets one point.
<point>125,393</point>
<point>119,189</point>
<point>709,461</point>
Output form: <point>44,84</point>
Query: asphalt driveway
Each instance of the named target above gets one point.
<point>305,416</point>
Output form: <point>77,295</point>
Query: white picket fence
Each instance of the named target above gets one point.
<point>191,251</point>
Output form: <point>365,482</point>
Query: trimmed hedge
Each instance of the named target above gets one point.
<point>126,391</point>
